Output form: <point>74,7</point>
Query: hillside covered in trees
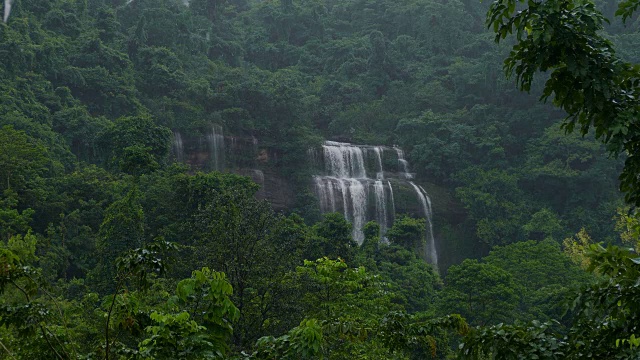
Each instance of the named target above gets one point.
<point>171,189</point>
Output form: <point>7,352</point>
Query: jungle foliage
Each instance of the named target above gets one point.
<point>110,249</point>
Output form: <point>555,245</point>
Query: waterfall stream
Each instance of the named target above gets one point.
<point>378,151</point>
<point>7,9</point>
<point>356,184</point>
<point>178,147</point>
<point>362,182</point>
<point>430,249</point>
<point>347,183</point>
<point>404,164</point>
<point>216,147</point>
<point>381,205</point>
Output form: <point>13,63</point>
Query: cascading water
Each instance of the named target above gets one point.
<point>358,196</point>
<point>378,151</point>
<point>178,147</point>
<point>347,187</point>
<point>393,202</point>
<point>404,164</point>
<point>7,9</point>
<point>430,251</point>
<point>344,160</point>
<point>258,178</point>
<point>432,243</point>
<point>216,147</point>
<point>381,208</point>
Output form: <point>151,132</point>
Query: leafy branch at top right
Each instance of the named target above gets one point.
<point>586,79</point>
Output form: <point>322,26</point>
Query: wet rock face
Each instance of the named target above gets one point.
<point>215,151</point>
<point>363,182</point>
<point>273,188</point>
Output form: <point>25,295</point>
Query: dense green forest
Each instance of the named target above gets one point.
<point>113,246</point>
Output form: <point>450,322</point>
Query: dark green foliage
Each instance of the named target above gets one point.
<point>136,145</point>
<point>202,329</point>
<point>91,91</point>
<point>604,327</point>
<point>408,233</point>
<point>333,238</point>
<point>587,79</point>
<point>523,281</point>
<point>495,203</point>
<point>302,342</point>
<point>482,293</point>
<point>255,247</point>
<point>22,159</point>
<point>13,221</point>
<point>122,229</point>
<point>415,282</point>
<point>544,277</point>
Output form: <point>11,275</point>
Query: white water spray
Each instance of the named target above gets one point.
<point>178,146</point>
<point>378,151</point>
<point>404,164</point>
<point>430,250</point>
<point>346,187</point>
<point>7,9</point>
<point>381,206</point>
<point>216,147</point>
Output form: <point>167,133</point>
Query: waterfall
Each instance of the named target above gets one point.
<point>404,164</point>
<point>325,189</point>
<point>393,202</point>
<point>343,194</point>
<point>344,160</point>
<point>381,206</point>
<point>178,147</point>
<point>216,147</point>
<point>359,204</point>
<point>432,244</point>
<point>7,9</point>
<point>346,187</point>
<point>430,250</point>
<point>258,178</point>
<point>378,151</point>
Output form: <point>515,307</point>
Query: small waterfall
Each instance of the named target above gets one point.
<point>404,164</point>
<point>381,205</point>
<point>216,147</point>
<point>258,177</point>
<point>432,244</point>
<point>325,189</point>
<point>346,182</point>
<point>344,160</point>
<point>378,151</point>
<point>7,9</point>
<point>430,249</point>
<point>359,203</point>
<point>393,202</point>
<point>178,147</point>
<point>346,187</point>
